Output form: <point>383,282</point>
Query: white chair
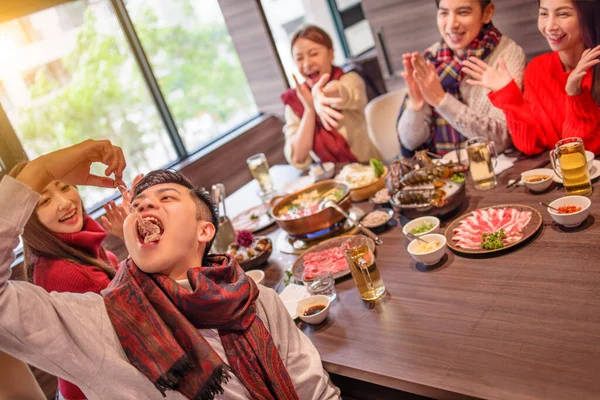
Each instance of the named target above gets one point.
<point>382,114</point>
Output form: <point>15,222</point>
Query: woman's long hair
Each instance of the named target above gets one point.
<point>41,242</point>
<point>588,12</point>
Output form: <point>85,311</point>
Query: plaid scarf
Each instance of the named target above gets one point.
<point>157,323</point>
<point>328,145</point>
<point>444,137</point>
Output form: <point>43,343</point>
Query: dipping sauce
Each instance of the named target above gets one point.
<point>423,248</point>
<point>568,209</point>
<point>536,178</point>
<point>423,227</point>
<point>312,310</point>
<point>375,218</point>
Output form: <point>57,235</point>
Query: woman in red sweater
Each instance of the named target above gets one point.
<point>63,250</point>
<point>561,89</point>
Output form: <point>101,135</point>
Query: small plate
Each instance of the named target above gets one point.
<point>253,220</point>
<point>291,295</point>
<point>594,172</point>
<point>379,227</point>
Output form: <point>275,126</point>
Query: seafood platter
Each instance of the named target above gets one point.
<point>421,186</point>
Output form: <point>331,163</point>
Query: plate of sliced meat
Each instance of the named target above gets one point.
<point>327,256</point>
<point>253,220</point>
<point>493,229</point>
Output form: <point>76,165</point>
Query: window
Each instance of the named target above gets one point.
<point>197,68</point>
<point>82,74</point>
<point>354,30</point>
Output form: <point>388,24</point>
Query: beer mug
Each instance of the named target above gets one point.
<point>259,168</point>
<point>482,161</point>
<point>363,267</point>
<point>570,163</point>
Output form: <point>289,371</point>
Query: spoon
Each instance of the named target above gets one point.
<point>549,206</point>
<point>367,232</point>
<point>410,235</point>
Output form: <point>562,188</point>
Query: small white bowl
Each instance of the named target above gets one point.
<point>310,301</point>
<point>418,221</point>
<point>538,186</point>
<point>574,219</point>
<point>589,156</point>
<point>432,257</point>
<point>317,172</point>
<point>257,276</point>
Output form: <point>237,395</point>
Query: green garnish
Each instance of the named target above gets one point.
<point>493,241</point>
<point>288,278</point>
<point>253,217</point>
<point>458,177</point>
<point>423,227</point>
<point>377,167</point>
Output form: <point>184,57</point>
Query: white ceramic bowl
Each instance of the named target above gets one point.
<point>317,172</point>
<point>538,186</point>
<point>418,221</point>
<point>257,276</point>
<point>589,156</point>
<point>432,257</point>
<point>313,301</point>
<point>574,219</point>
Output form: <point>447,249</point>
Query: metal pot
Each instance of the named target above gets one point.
<point>314,222</point>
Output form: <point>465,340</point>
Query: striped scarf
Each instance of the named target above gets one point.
<point>157,323</point>
<point>444,137</point>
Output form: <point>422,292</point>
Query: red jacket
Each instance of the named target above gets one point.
<point>67,276</point>
<point>544,114</point>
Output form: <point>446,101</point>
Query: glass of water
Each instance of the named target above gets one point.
<point>322,284</point>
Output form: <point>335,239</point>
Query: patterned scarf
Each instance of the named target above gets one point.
<point>444,137</point>
<point>328,145</point>
<point>157,323</point>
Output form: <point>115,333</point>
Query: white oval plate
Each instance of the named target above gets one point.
<point>594,172</point>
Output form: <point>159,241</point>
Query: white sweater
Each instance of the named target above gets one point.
<point>70,335</point>
<point>476,116</point>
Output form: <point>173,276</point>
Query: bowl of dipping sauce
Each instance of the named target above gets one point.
<point>377,220</point>
<point>537,180</point>
<point>313,309</point>
<point>421,226</point>
<point>429,253</point>
<point>572,210</point>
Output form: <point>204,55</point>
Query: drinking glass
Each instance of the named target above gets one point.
<point>482,160</point>
<point>363,267</point>
<point>322,284</point>
<point>259,168</point>
<point>570,163</point>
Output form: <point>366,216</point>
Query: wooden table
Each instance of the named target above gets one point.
<point>522,325</point>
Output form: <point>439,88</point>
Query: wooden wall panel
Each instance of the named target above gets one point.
<point>410,25</point>
<point>252,40</point>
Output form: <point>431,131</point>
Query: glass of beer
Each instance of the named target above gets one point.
<point>363,267</point>
<point>569,162</point>
<point>482,160</point>
<point>259,168</point>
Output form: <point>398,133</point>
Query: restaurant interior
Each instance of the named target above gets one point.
<point>414,276</point>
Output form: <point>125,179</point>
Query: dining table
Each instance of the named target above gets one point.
<point>518,324</point>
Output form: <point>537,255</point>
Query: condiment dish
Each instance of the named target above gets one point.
<point>431,257</point>
<point>319,174</point>
<point>311,301</point>
<point>573,219</point>
<point>257,276</point>
<point>538,185</point>
<point>415,223</point>
<point>381,226</point>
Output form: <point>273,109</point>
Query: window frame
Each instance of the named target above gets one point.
<point>344,19</point>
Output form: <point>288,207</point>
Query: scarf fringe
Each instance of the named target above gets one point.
<point>214,385</point>
<point>173,375</point>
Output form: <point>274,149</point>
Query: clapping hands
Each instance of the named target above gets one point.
<point>422,81</point>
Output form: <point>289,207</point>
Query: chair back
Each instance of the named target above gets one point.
<point>382,115</point>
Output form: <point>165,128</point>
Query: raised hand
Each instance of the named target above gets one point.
<point>323,105</point>
<point>415,98</point>
<point>427,79</point>
<point>115,215</point>
<point>72,166</point>
<point>485,75</point>
<point>304,94</point>
<point>589,58</point>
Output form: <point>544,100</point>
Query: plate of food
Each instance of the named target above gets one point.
<point>327,256</point>
<point>493,229</point>
<point>250,251</point>
<point>364,180</point>
<point>253,220</point>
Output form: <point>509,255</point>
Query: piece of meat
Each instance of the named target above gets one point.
<point>149,230</point>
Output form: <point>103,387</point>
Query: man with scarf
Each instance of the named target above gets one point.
<point>175,323</point>
<point>441,110</point>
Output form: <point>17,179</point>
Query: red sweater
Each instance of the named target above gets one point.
<point>544,113</point>
<point>67,276</point>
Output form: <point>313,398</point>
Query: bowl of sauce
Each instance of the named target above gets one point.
<point>313,309</point>
<point>537,180</point>
<point>572,210</point>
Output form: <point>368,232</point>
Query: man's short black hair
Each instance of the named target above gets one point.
<point>205,207</point>
<point>484,3</point>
